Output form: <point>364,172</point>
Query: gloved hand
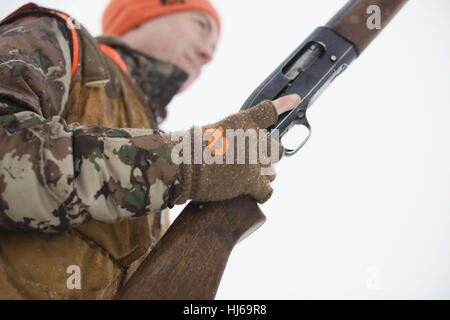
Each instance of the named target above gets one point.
<point>215,182</point>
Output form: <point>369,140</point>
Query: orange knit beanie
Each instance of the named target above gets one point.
<point>121,16</point>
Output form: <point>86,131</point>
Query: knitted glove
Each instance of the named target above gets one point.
<point>215,182</point>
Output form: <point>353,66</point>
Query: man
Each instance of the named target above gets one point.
<point>86,177</point>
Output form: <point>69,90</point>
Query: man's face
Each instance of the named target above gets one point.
<point>187,39</point>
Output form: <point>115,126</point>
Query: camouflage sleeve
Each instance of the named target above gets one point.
<point>55,176</point>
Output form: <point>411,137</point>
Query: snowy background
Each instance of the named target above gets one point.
<point>363,211</point>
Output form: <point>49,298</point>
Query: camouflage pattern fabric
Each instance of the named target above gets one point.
<point>55,176</point>
<point>158,80</point>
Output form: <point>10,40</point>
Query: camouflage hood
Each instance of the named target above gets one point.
<point>158,80</point>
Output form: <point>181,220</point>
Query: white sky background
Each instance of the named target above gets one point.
<point>363,210</point>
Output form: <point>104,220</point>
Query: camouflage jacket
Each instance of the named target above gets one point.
<point>56,175</point>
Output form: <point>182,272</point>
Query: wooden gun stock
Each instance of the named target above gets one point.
<point>188,261</point>
<point>351,21</point>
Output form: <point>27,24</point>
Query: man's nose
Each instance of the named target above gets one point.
<point>205,53</point>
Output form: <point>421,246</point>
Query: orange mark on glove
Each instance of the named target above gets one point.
<point>218,134</point>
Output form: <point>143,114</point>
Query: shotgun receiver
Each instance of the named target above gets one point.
<point>188,261</point>
<point>307,71</point>
<point>324,55</point>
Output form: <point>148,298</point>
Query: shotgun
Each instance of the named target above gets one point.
<point>189,260</point>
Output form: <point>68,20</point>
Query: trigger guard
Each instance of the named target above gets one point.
<point>304,122</point>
